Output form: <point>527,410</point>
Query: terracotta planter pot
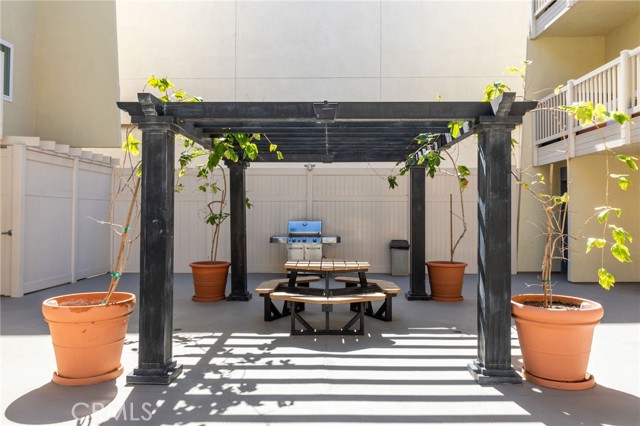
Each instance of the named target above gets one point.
<point>446,279</point>
<point>88,337</point>
<point>209,280</point>
<point>556,343</point>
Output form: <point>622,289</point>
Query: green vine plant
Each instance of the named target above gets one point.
<point>228,147</point>
<point>555,207</point>
<point>429,156</point>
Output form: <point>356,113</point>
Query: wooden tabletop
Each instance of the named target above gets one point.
<point>327,265</point>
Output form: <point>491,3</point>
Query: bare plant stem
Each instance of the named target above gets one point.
<point>462,215</point>
<point>121,259</point>
<point>216,228</point>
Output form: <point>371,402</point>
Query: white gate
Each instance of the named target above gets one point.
<point>51,199</point>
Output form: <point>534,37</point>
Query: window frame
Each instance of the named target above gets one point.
<point>8,97</point>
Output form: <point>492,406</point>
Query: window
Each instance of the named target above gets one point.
<point>7,83</point>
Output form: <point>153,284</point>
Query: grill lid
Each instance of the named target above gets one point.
<point>303,228</point>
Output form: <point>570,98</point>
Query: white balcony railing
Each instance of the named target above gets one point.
<point>540,6</point>
<point>616,85</point>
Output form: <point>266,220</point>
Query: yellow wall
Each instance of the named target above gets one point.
<point>17,26</point>
<point>555,60</point>
<point>77,74</point>
<point>626,36</point>
<point>587,192</point>
<point>558,59</point>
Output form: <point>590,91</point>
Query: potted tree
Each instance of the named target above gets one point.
<point>446,277</point>
<point>210,276</point>
<point>88,329</point>
<point>556,331</point>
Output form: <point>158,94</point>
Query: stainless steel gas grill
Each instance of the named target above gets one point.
<point>304,240</point>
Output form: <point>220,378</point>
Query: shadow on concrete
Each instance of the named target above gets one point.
<point>53,403</point>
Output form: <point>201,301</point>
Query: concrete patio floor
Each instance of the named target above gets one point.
<point>240,370</point>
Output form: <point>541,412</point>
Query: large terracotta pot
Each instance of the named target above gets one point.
<point>88,337</point>
<point>209,280</point>
<point>556,343</point>
<point>446,279</point>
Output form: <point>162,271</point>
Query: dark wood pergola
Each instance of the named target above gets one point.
<point>326,132</point>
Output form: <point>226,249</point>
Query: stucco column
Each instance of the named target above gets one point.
<point>494,253</point>
<point>155,364</point>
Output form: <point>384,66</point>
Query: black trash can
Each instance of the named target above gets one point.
<point>399,258</point>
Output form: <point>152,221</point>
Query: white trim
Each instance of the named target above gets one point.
<point>9,97</point>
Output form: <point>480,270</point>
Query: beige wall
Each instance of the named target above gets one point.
<point>312,50</point>
<point>626,36</point>
<point>17,26</point>
<point>65,72</point>
<point>587,192</point>
<point>77,73</point>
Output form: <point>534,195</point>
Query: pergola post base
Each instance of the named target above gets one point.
<point>410,295</point>
<point>488,376</point>
<point>154,376</point>
<point>239,297</point>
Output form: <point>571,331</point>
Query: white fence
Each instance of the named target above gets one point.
<point>355,204</point>
<point>50,200</point>
<point>49,195</point>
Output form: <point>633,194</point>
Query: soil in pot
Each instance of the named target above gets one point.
<point>209,280</point>
<point>446,279</point>
<point>88,337</point>
<point>556,343</point>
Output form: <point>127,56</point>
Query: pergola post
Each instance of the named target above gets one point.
<point>493,365</point>
<point>417,290</point>
<point>155,364</point>
<point>238,218</point>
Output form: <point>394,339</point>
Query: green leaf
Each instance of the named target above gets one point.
<point>463,171</point>
<point>131,145</point>
<point>455,127</point>
<point>624,183</point>
<point>600,113</point>
<point>595,242</point>
<point>605,279</point>
<point>603,215</point>
<point>514,143</point>
<point>247,203</point>
<point>620,117</point>
<point>279,155</point>
<point>393,181</point>
<point>556,91</point>
<point>557,200</point>
<point>494,90</point>
<point>621,252</point>
<point>273,147</point>
<point>620,235</point>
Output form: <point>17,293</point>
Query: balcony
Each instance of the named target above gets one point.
<point>616,85</point>
<point>576,18</point>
